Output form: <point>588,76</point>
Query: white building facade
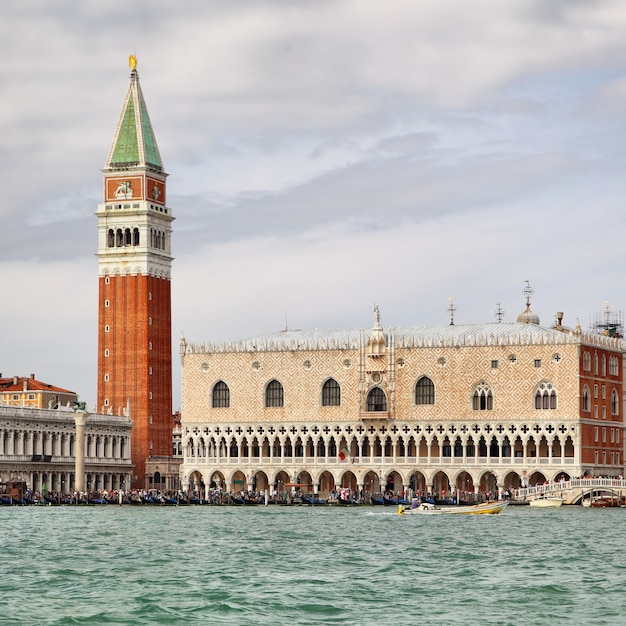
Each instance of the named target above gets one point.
<point>38,446</point>
<point>473,408</point>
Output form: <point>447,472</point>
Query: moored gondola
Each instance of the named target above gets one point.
<point>313,501</point>
<point>346,502</point>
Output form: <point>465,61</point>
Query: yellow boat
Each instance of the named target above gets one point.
<point>425,508</point>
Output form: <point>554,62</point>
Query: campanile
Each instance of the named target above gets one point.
<point>134,300</point>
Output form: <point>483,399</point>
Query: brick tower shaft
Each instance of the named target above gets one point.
<point>134,302</point>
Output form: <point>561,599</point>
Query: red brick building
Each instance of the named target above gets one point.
<point>601,414</point>
<point>134,303</point>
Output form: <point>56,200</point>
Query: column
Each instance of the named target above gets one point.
<point>80,418</point>
<point>550,451</point>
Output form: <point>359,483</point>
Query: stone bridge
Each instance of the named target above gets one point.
<point>574,490</point>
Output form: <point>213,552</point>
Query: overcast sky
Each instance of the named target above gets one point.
<point>324,156</point>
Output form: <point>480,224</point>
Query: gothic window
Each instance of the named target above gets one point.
<point>135,236</point>
<point>119,239</point>
<point>424,391</point>
<point>220,396</point>
<point>585,399</point>
<point>595,364</point>
<point>376,400</point>
<point>127,238</point>
<point>545,396</point>
<point>274,394</point>
<point>331,393</point>
<point>234,448</point>
<point>614,403</point>
<point>111,238</point>
<point>483,398</point>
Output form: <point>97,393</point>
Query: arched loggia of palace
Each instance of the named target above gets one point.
<point>368,480</point>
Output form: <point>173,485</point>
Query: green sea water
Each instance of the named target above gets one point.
<point>301,565</point>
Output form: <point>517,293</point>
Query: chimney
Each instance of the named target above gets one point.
<point>32,377</point>
<point>15,380</point>
<point>559,318</point>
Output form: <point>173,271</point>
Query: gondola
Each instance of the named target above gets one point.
<point>312,501</point>
<point>343,502</point>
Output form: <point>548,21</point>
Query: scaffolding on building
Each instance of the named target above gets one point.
<point>608,322</point>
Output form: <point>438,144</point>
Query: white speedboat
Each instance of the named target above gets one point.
<point>425,508</point>
<point>547,502</point>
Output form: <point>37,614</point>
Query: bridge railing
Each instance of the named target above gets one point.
<point>575,484</point>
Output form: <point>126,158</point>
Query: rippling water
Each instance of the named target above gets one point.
<point>301,565</point>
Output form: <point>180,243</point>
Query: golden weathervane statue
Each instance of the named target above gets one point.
<point>132,62</point>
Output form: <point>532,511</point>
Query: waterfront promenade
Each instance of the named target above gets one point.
<point>573,491</point>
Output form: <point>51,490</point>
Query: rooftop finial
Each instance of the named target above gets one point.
<point>451,310</point>
<point>528,292</point>
<point>376,316</point>
<point>132,62</point>
<point>499,313</point>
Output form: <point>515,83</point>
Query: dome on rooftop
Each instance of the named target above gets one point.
<point>528,317</point>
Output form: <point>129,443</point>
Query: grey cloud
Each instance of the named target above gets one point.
<point>436,149</point>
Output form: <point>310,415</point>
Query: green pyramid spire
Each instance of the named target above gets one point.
<point>134,143</point>
<point>126,150</point>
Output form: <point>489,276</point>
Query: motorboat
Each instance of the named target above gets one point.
<point>547,502</point>
<point>426,508</point>
<point>602,502</point>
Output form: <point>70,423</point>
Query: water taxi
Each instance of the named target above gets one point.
<point>425,508</point>
<point>547,502</point>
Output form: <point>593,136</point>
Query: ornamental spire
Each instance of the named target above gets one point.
<point>134,144</point>
<point>376,343</point>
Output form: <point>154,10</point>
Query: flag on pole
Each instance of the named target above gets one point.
<point>344,453</point>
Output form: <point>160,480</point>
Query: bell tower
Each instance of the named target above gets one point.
<point>134,299</point>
